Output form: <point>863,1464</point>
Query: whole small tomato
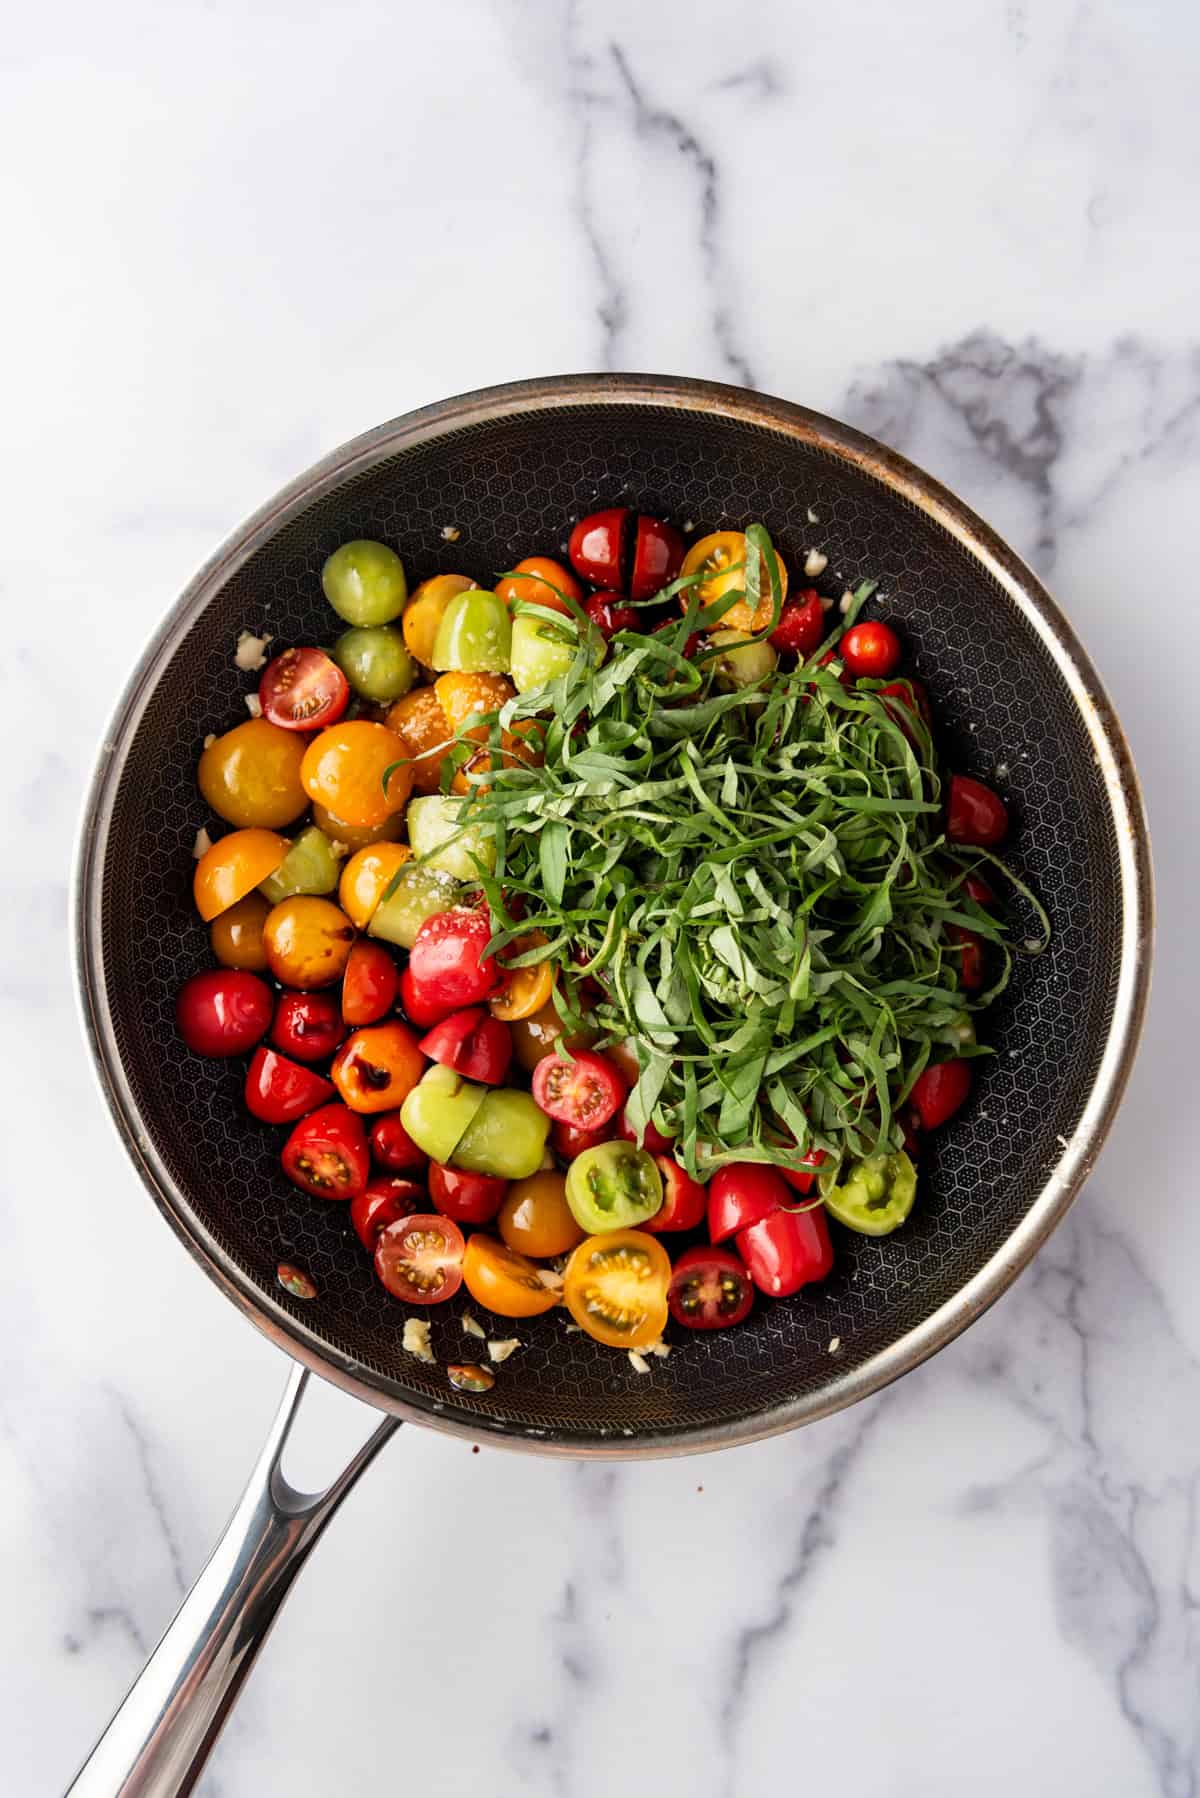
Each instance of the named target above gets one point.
<point>369,984</point>
<point>236,935</point>
<point>223,1012</point>
<point>392,1146</point>
<point>871,648</point>
<point>540,581</point>
<point>940,1091</point>
<point>308,1026</point>
<point>419,721</point>
<point>307,941</point>
<point>786,1250</point>
<point>971,965</point>
<point>344,769</point>
<point>446,965</point>
<point>535,1218</point>
<point>801,626</point>
<point>569,1140</point>
<point>251,775</point>
<point>375,1069</point>
<point>467,1198</point>
<point>974,813</point>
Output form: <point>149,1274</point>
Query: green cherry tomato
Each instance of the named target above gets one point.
<point>439,1110</point>
<point>420,893</point>
<point>742,662</point>
<point>877,1196</point>
<point>475,634</point>
<point>375,662</point>
<point>364,582</point>
<point>506,1137</point>
<point>541,651</point>
<point>615,1186</point>
<point>442,843</point>
<point>310,866</point>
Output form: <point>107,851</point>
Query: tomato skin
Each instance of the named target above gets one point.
<point>308,1026</point>
<point>344,766</point>
<point>504,1281</point>
<point>467,1198</point>
<point>384,1200</point>
<point>740,1194</point>
<point>539,591</point>
<point>977,888</point>
<point>369,985</point>
<point>940,1092</point>
<point>420,1258</point>
<point>535,1218</point>
<point>871,648</point>
<point>303,689</point>
<point>597,546</point>
<point>786,1250</point>
<point>446,966</point>
<point>569,1141</point>
<point>909,694</point>
<point>472,1043</point>
<point>615,1288</point>
<point>279,1091</point>
<point>327,1155</point>
<point>975,814</point>
<point>801,627</point>
<point>251,776</point>
<point>416,1009</point>
<point>657,557</point>
<point>970,964</point>
<point>376,1068</point>
<point>223,1011</point>
<point>685,1201</point>
<point>307,941</point>
<point>803,1182</point>
<point>586,1092</point>
<point>652,1139</point>
<point>523,992</point>
<point>610,614</point>
<point>236,935</point>
<point>231,869</point>
<point>710,1290</point>
<point>392,1146</point>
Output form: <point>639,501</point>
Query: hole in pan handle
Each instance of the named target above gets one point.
<point>169,1721</point>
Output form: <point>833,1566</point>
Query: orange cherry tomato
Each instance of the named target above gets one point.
<point>542,575</point>
<point>503,1281</point>
<point>307,942</point>
<point>369,984</point>
<point>236,935</point>
<point>626,1059</point>
<point>251,775</point>
<point>524,991</point>
<point>461,695</point>
<point>418,719</point>
<point>376,1069</point>
<point>365,879</point>
<point>234,866</point>
<point>423,613</point>
<point>535,1036</point>
<point>535,1218</point>
<point>344,770</point>
<point>357,836</point>
<point>615,1288</point>
<point>721,558</point>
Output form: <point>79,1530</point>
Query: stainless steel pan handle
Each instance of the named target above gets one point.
<point>164,1731</point>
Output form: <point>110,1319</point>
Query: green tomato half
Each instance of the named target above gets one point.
<point>375,662</point>
<point>439,1110</point>
<point>877,1196</point>
<point>541,651</point>
<point>475,634</point>
<point>441,842</point>
<point>365,583</point>
<point>310,866</point>
<point>615,1186</point>
<point>420,893</point>
<point>506,1138</point>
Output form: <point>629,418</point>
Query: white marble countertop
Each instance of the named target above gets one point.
<point>237,234</point>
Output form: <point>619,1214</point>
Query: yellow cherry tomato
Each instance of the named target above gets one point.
<point>460,695</point>
<point>251,775</point>
<point>535,1036</point>
<point>419,720</point>
<point>365,879</point>
<point>615,1288</point>
<point>524,990</point>
<point>721,558</point>
<point>535,1218</point>
<point>344,770</point>
<point>502,1281</point>
<point>357,836</point>
<point>424,611</point>
<point>233,867</point>
<point>308,942</point>
<point>236,935</point>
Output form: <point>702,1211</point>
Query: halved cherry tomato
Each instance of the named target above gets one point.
<point>803,1182</point>
<point>446,965</point>
<point>597,546</point>
<point>279,1091</point>
<point>308,1026</point>
<point>303,689</point>
<point>236,935</point>
<point>740,1194</point>
<point>657,557</point>
<point>223,1011</point>
<point>651,1138</point>
<point>940,1091</point>
<point>419,721</point>
<point>472,1043</point>
<point>977,888</point>
<point>377,1068</point>
<point>392,1146</point>
<point>504,1281</point>
<point>233,867</point>
<point>721,559</point>
<point>610,614</point>
<point>534,579</point>
<point>424,611</point>
<point>975,814</point>
<point>251,775</point>
<point>710,1289</point>
<point>366,878</point>
<point>535,1218</point>
<point>615,1288</point>
<point>786,1250</point>
<point>685,1201</point>
<point>911,696</point>
<point>420,1259</point>
<point>971,971</point>
<point>327,1154</point>
<point>585,1092</point>
<point>569,1141</point>
<point>871,648</point>
<point>384,1200</point>
<point>467,1198</point>
<point>344,768</point>
<point>307,941</point>
<point>801,626</point>
<point>369,984</point>
<point>523,991</point>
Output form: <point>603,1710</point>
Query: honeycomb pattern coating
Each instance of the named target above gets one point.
<point>512,488</point>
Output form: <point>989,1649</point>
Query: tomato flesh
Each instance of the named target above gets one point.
<point>308,1026</point>
<point>801,626</point>
<point>279,1091</point>
<point>974,813</point>
<point>223,1011</point>
<point>597,546</point>
<point>327,1155</point>
<point>871,649</point>
<point>392,1146</point>
<point>786,1250</point>
<point>615,1288</point>
<point>657,557</point>
<point>303,689</point>
<point>467,1198</point>
<point>420,1259</point>
<point>940,1091</point>
<point>685,1201</point>
<point>710,1289</point>
<point>447,969</point>
<point>740,1194</point>
<point>471,1042</point>
<point>384,1200</point>
<point>586,1092</point>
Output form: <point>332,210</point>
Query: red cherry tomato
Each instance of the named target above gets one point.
<point>657,557</point>
<point>369,984</point>
<point>802,1182</point>
<point>974,813</point>
<point>279,1091</point>
<point>787,1250</point>
<point>419,1259</point>
<point>417,1010</point>
<point>473,1043</point>
<point>801,624</point>
<point>597,547</point>
<point>392,1146</point>
<point>940,1091</point>
<point>569,1142</point>
<point>308,1026</point>
<point>871,648</point>
<point>910,1123</point>
<point>223,1011</point>
<point>610,613</point>
<point>684,1199</point>
<point>977,888</point>
<point>467,1198</point>
<point>908,695</point>
<point>654,1140</point>
<point>586,1091</point>
<point>710,1289</point>
<point>303,689</point>
<point>741,1194</point>
<point>327,1153</point>
<point>446,965</point>
<point>971,962</point>
<point>382,1201</point>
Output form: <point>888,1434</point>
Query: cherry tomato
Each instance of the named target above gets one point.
<point>870,648</point>
<point>236,935</point>
<point>609,613</point>
<point>710,1289</point>
<point>358,836</point>
<point>685,1201</point>
<point>585,1092</point>
<point>801,626</point>
<point>416,1009</point>
<point>740,1194</point>
<point>302,689</point>
<point>384,1200</point>
<point>802,1182</point>
<point>940,1091</point>
<point>366,878</point>
<point>223,1012</point>
<point>975,814</point>
<point>463,695</point>
<point>392,1146</point>
<point>721,559</point>
<point>597,546</point>
<point>251,775</point>
<point>909,696</point>
<point>506,1282</point>
<point>446,966</point>
<point>307,941</point>
<point>467,1198</point>
<point>523,991</point>
<point>615,1288</point>
<point>364,582</point>
<point>651,1138</point>
<point>425,611</point>
<point>786,1250</point>
<point>420,1259</point>
<point>369,984</point>
<point>308,1026</point>
<point>569,1141</point>
<point>535,1218</point>
<point>534,1036</point>
<point>377,1068</point>
<point>327,1155</point>
<point>624,1057</point>
<point>344,767</point>
<point>419,721</point>
<point>279,1091</point>
<point>977,888</point>
<point>472,1043</point>
<point>233,867</point>
<point>535,579</point>
<point>971,971</point>
<point>657,557</point>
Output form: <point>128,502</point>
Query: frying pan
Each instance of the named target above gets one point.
<point>473,483</point>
